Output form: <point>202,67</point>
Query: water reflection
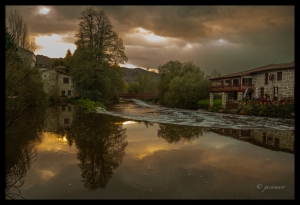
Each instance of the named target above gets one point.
<point>78,157</point>
<point>175,133</point>
<point>276,140</point>
<point>101,144</point>
<point>20,152</point>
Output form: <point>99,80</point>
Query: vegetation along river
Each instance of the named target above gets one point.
<point>136,150</point>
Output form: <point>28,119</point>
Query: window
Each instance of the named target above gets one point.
<point>63,92</point>
<point>247,81</point>
<point>69,93</point>
<point>266,78</point>
<point>69,108</point>
<point>236,82</point>
<point>63,108</point>
<point>66,80</point>
<point>262,92</point>
<point>66,120</point>
<point>227,82</point>
<point>279,75</point>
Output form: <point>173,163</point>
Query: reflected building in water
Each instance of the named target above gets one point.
<point>283,140</point>
<point>59,118</point>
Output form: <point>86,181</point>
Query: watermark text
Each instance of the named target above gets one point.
<point>260,186</point>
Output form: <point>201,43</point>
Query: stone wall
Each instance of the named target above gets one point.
<point>65,86</point>
<point>285,86</point>
<point>52,79</point>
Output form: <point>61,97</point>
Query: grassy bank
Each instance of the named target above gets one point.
<point>87,104</point>
<point>204,104</point>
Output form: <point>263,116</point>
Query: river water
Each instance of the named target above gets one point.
<point>137,150</point>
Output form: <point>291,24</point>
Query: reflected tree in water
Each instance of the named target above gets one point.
<point>101,143</point>
<point>146,123</point>
<point>175,133</point>
<point>20,152</point>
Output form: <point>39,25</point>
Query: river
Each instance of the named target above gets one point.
<point>137,150</point>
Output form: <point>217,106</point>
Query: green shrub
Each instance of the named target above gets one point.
<point>88,104</point>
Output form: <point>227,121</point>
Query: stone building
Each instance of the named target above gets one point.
<point>272,82</point>
<point>58,82</point>
<point>28,57</point>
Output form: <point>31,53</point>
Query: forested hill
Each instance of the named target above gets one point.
<point>131,74</point>
<point>44,60</point>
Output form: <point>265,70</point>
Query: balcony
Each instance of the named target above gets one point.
<point>232,88</point>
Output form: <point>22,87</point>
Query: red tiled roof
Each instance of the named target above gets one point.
<point>256,70</point>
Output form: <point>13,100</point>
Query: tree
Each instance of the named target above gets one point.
<point>97,40</point>
<point>95,61</point>
<point>23,88</point>
<point>185,91</point>
<point>147,82</point>
<point>215,74</point>
<point>58,62</point>
<point>182,85</point>
<point>18,29</point>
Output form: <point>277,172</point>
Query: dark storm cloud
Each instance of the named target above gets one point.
<point>226,38</point>
<point>59,20</point>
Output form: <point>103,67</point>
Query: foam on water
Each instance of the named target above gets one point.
<point>200,118</point>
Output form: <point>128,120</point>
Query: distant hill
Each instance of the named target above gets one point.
<point>44,60</point>
<point>131,74</point>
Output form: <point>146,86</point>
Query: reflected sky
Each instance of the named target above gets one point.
<point>107,157</point>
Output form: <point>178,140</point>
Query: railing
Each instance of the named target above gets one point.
<point>232,88</point>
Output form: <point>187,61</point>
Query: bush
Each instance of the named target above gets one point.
<point>88,104</point>
<point>279,111</point>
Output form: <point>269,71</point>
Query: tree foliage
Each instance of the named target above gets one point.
<point>147,82</point>
<point>97,40</point>
<point>58,62</point>
<point>19,32</point>
<point>182,85</point>
<point>23,87</point>
<point>95,62</point>
<point>214,74</point>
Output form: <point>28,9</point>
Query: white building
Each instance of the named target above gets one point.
<point>58,82</point>
<point>273,82</point>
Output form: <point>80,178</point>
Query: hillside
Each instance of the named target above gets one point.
<point>131,74</point>
<point>44,60</point>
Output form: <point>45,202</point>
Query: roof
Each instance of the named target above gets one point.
<point>60,69</point>
<point>259,69</point>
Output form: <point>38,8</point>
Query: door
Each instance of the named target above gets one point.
<point>262,92</point>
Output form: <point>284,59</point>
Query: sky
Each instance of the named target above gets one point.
<point>224,38</point>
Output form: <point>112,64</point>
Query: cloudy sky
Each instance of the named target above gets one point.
<point>226,38</point>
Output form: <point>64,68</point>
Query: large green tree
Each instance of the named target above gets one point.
<point>97,40</point>
<point>182,85</point>
<point>95,62</point>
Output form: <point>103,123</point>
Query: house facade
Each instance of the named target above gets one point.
<point>58,82</point>
<point>271,82</point>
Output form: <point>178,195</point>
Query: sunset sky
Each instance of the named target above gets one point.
<point>226,38</point>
